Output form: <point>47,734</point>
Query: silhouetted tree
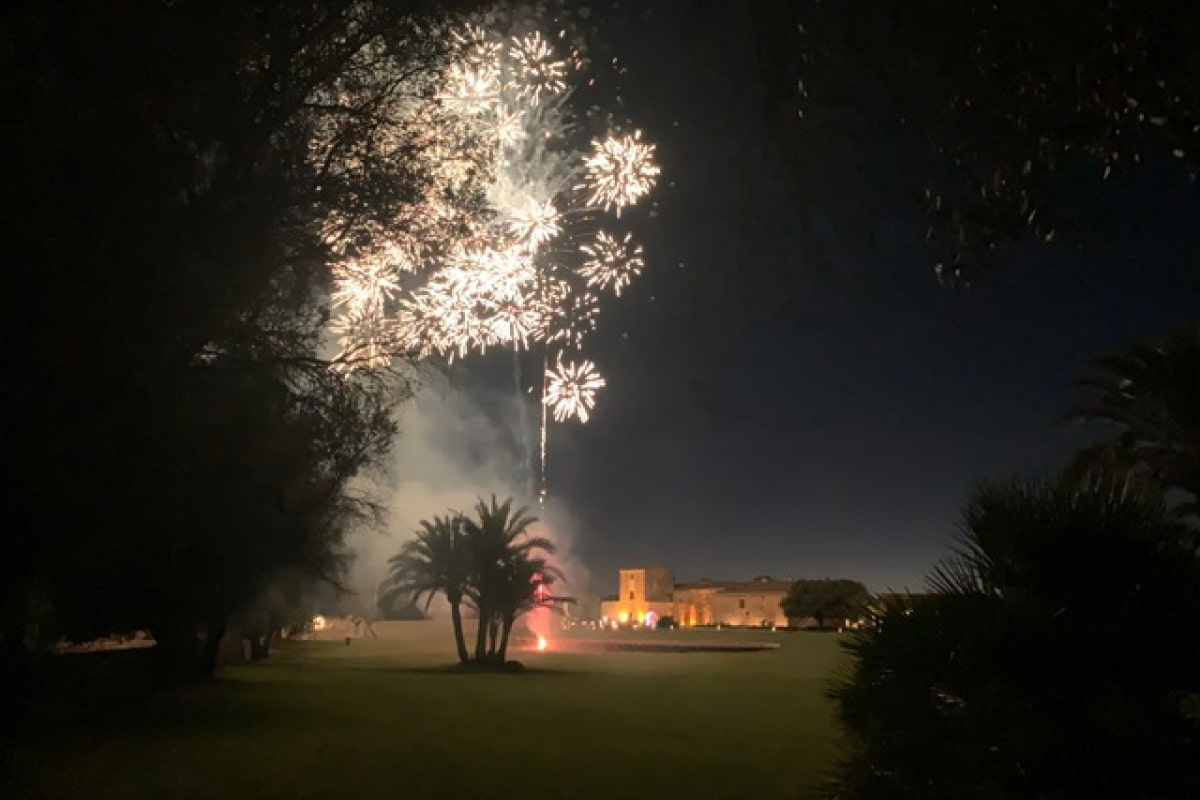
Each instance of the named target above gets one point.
<point>1007,96</point>
<point>825,600</point>
<point>521,580</point>
<point>184,439</point>
<point>488,560</point>
<point>1150,392</point>
<point>439,559</point>
<point>499,541</point>
<point>1052,659</point>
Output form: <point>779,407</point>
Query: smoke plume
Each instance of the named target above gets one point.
<point>455,447</point>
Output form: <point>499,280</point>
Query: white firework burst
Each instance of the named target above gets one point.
<point>620,170</point>
<point>568,315</point>
<point>534,223</point>
<point>476,45</point>
<point>510,127</point>
<point>498,243</point>
<point>540,71</point>
<point>611,262</point>
<point>472,89</point>
<point>571,390</point>
<point>364,285</point>
<point>513,320</point>
<point>366,341</point>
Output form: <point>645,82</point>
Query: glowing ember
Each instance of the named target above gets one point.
<point>542,643</point>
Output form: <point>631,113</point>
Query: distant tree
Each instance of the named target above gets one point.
<point>1053,658</point>
<point>1150,394</point>
<point>825,600</point>
<point>488,561</point>
<point>439,560</point>
<point>1008,97</point>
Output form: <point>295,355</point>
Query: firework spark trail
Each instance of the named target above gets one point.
<point>542,486</point>
<point>501,247</point>
<point>523,424</point>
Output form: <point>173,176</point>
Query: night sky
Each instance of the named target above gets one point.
<point>790,389</point>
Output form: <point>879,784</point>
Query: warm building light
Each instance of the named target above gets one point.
<point>319,623</point>
<point>542,643</point>
<point>623,617</point>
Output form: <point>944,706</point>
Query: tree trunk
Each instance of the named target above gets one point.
<point>481,635</point>
<point>509,619</point>
<point>174,649</point>
<point>460,643</point>
<point>206,667</point>
<point>493,635</point>
<point>258,646</point>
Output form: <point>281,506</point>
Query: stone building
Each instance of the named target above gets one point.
<point>647,594</point>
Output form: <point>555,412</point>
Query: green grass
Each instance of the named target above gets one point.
<point>384,719</point>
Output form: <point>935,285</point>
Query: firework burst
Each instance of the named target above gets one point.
<point>501,245</point>
<point>541,72</point>
<point>363,286</point>
<point>571,390</point>
<point>620,170</point>
<point>535,223</point>
<point>611,263</point>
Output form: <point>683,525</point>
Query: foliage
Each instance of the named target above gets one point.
<point>186,442</point>
<point>1051,659</point>
<point>439,560</point>
<point>1150,393</point>
<point>488,561</point>
<point>825,600</point>
<point>1008,96</point>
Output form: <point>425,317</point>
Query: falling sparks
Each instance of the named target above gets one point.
<point>501,249</point>
<point>364,286</point>
<point>500,242</point>
<point>571,390</point>
<point>620,170</point>
<point>541,72</point>
<point>611,263</point>
<point>472,89</point>
<point>535,223</point>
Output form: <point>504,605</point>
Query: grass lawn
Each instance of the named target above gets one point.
<point>383,719</point>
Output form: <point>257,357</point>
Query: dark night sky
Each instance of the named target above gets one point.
<point>805,399</point>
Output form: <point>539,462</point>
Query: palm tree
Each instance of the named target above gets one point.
<point>1151,393</point>
<point>498,539</point>
<point>437,560</point>
<point>1054,657</point>
<point>517,594</point>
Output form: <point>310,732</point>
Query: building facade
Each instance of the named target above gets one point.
<point>648,594</point>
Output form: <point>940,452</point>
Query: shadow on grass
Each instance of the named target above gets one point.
<point>458,669</point>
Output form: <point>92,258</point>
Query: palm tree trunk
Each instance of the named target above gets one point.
<point>481,635</point>
<point>493,635</point>
<point>460,643</point>
<point>509,619</point>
